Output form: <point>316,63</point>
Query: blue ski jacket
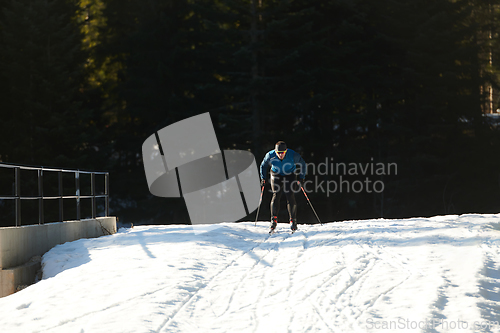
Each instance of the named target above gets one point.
<point>282,167</point>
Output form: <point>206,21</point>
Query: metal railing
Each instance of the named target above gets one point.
<point>40,197</point>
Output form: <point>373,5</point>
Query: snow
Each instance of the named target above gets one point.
<point>437,274</point>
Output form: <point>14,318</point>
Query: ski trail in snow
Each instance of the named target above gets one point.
<point>341,277</point>
<point>489,284</point>
<point>264,277</point>
<point>189,298</point>
<point>223,272</point>
<point>141,296</point>
<point>364,265</point>
<point>380,254</point>
<point>249,272</point>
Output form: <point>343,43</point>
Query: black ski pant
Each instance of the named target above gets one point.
<point>280,184</point>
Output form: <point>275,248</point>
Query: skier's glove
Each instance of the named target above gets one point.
<point>262,182</point>
<point>301,181</point>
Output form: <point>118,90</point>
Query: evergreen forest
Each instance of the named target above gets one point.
<point>360,84</point>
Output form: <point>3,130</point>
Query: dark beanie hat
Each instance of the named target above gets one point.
<point>280,146</point>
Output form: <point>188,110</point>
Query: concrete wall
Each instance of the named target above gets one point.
<point>18,245</point>
<point>19,277</point>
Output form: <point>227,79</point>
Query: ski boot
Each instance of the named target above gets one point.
<point>293,225</point>
<point>274,223</point>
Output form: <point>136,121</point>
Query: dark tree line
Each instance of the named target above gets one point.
<point>84,83</point>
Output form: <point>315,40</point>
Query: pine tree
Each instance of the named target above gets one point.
<point>41,66</point>
<point>165,52</point>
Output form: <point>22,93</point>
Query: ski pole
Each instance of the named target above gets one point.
<point>257,216</point>
<point>310,204</point>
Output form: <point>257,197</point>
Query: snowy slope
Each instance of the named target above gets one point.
<point>436,274</point>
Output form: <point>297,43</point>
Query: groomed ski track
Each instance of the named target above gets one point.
<point>418,275</point>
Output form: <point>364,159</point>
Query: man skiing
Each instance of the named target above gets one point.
<point>283,164</point>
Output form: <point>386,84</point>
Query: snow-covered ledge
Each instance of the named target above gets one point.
<point>19,245</point>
